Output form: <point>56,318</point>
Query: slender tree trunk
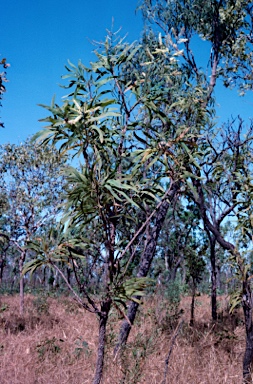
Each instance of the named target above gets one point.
<point>103,318</point>
<point>193,303</point>
<point>248,355</point>
<point>218,277</point>
<point>1,270</point>
<point>21,283</point>
<point>44,277</point>
<point>68,275</point>
<point>173,272</point>
<point>12,283</point>
<point>56,277</point>
<point>125,326</point>
<point>144,266</point>
<point>166,260</point>
<point>21,296</point>
<point>212,241</point>
<point>213,278</point>
<point>183,273</point>
<point>3,259</point>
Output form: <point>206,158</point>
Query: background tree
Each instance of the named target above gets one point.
<point>227,28</point>
<point>32,185</point>
<point>231,167</point>
<point>181,222</point>
<point>195,270</point>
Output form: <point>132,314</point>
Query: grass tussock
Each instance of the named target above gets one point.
<point>55,343</point>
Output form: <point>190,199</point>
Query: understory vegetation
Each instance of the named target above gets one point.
<point>56,340</point>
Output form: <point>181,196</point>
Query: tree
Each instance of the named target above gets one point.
<point>226,26</point>
<point>219,168</point>
<point>230,166</point>
<point>176,237</point>
<point>132,146</point>
<point>195,270</point>
<point>139,117</point>
<point>32,186</point>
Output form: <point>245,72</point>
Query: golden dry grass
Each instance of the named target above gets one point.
<point>55,343</point>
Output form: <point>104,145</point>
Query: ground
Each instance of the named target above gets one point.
<point>55,343</point>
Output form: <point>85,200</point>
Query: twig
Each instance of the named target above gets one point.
<point>170,351</point>
<point>76,297</point>
<point>145,223</point>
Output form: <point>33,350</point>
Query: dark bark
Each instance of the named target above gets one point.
<point>173,273</point>
<point>248,355</point>
<point>193,304</point>
<point>125,326</point>
<point>213,278</point>
<point>145,261</point>
<point>21,296</point>
<point>173,268</point>
<point>69,275</point>
<point>218,277</point>
<point>21,283</point>
<point>2,263</point>
<point>103,318</point>
<point>209,227</point>
<point>3,256</point>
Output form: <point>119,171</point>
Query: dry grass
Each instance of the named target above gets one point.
<point>55,343</point>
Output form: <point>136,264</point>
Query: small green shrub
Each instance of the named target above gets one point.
<point>82,348</point>
<point>134,355</point>
<point>167,311</point>
<point>48,347</point>
<point>4,307</point>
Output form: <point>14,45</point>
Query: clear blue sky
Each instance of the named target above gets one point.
<point>38,37</point>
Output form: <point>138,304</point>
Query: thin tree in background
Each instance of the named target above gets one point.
<point>32,186</point>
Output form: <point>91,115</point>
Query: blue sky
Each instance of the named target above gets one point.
<point>38,37</point>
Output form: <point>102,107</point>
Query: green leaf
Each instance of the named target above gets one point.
<point>193,189</point>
